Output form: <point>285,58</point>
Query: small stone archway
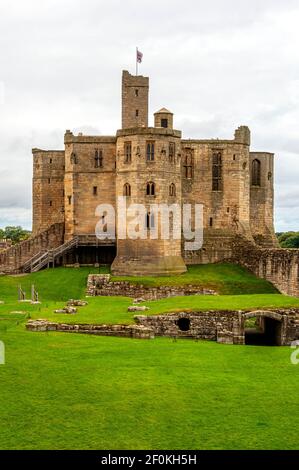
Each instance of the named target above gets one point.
<point>184,324</point>
<point>269,329</point>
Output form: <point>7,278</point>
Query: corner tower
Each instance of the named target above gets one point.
<point>148,178</point>
<point>134,100</point>
<point>262,199</point>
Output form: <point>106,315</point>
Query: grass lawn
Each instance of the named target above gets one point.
<point>69,391</point>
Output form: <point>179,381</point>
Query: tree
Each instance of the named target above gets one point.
<point>15,233</point>
<point>291,242</point>
<point>288,239</point>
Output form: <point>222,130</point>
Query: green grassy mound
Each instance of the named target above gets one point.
<point>224,278</point>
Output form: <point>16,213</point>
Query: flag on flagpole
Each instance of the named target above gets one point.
<point>139,56</point>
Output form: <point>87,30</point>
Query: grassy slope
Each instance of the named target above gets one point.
<point>64,391</point>
<point>224,278</point>
<point>57,286</point>
<point>64,283</point>
<point>52,284</point>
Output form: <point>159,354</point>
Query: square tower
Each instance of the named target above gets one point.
<point>134,100</point>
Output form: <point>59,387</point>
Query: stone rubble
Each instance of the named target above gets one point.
<point>69,310</point>
<point>77,303</point>
<point>136,308</point>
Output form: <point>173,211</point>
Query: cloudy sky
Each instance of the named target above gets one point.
<point>216,65</point>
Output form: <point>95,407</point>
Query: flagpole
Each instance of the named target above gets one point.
<point>136,61</point>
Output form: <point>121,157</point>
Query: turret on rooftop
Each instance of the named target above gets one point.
<point>164,118</point>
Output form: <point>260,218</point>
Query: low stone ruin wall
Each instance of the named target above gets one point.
<point>209,325</point>
<point>221,326</point>
<point>101,284</point>
<point>127,331</point>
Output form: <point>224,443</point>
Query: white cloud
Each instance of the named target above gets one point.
<point>215,64</point>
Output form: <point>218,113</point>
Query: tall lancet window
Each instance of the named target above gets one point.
<point>98,159</point>
<point>256,173</point>
<point>217,171</point>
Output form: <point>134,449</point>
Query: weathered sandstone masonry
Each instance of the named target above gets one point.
<point>12,259</point>
<point>279,327</point>
<point>151,164</point>
<point>279,266</point>
<point>223,326</point>
<point>100,284</point>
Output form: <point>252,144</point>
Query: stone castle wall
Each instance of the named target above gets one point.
<point>48,189</point>
<point>279,266</point>
<point>227,208</point>
<point>68,186</point>
<point>262,202</point>
<point>12,259</point>
<point>88,182</point>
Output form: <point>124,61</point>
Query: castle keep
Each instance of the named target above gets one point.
<point>153,164</point>
<point>150,165</point>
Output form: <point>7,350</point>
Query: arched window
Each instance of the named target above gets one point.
<point>256,173</point>
<point>127,189</point>
<point>150,189</point>
<point>150,151</point>
<point>98,159</point>
<point>150,220</point>
<point>128,152</point>
<point>172,190</point>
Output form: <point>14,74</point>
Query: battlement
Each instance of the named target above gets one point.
<point>242,135</point>
<point>37,150</point>
<point>155,131</point>
<point>70,138</point>
<point>262,154</point>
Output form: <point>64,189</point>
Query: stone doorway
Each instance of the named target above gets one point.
<point>263,330</point>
